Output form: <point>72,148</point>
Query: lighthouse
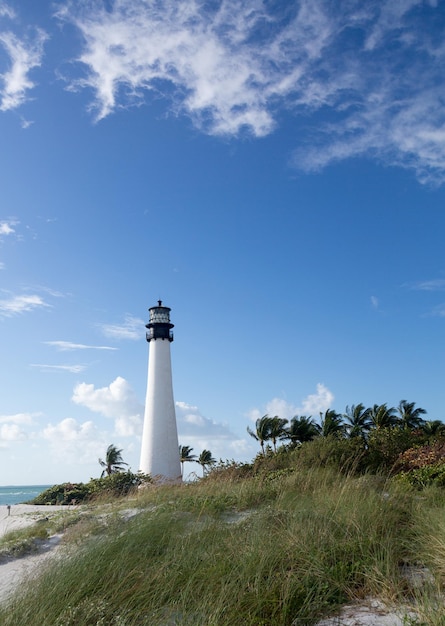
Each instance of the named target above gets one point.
<point>160,449</point>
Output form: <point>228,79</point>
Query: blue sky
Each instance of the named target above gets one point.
<point>274,172</point>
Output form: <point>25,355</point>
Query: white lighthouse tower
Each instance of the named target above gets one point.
<point>160,449</point>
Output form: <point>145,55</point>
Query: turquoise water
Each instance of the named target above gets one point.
<point>19,494</point>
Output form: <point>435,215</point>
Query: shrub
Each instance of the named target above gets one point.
<point>425,476</point>
<point>385,446</point>
<point>62,494</point>
<point>414,458</point>
<point>115,485</point>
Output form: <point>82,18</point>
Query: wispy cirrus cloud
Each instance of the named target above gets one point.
<point>72,369</point>
<point>25,52</point>
<point>66,346</point>
<point>438,311</point>
<point>15,305</point>
<point>131,328</point>
<point>6,11</point>
<point>232,66</point>
<point>436,284</point>
<point>375,302</point>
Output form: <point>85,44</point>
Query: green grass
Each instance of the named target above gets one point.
<point>281,548</point>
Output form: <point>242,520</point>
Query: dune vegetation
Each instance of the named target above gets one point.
<point>284,540</point>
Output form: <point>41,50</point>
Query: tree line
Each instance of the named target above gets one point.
<point>356,421</point>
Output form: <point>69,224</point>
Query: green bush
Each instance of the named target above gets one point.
<point>385,445</point>
<point>426,476</point>
<point>62,494</point>
<point>115,485</point>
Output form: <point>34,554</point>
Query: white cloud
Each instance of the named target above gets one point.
<point>116,401</point>
<point>231,66</point>
<point>437,284</point>
<point>11,432</point>
<point>21,304</point>
<point>6,11</point>
<point>312,405</point>
<point>206,59</point>
<point>69,430</point>
<point>132,328</point>
<point>202,433</point>
<point>318,402</point>
<point>73,369</point>
<point>374,302</point>
<point>13,428</point>
<point>65,346</point>
<point>74,443</point>
<point>390,17</point>
<point>439,311</point>
<point>7,227</point>
<point>19,418</point>
<point>25,123</point>
<point>24,55</point>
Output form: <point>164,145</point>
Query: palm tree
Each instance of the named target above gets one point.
<point>409,417</point>
<point>185,454</point>
<point>433,427</point>
<point>113,461</point>
<point>276,430</point>
<point>331,423</point>
<point>301,429</point>
<point>382,417</point>
<point>262,430</point>
<point>358,420</point>
<point>205,459</point>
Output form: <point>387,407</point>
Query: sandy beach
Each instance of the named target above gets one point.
<point>22,515</point>
<point>15,571</point>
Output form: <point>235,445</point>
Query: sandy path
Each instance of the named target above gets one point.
<point>15,571</point>
<point>370,613</point>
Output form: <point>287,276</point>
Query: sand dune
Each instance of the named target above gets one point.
<point>16,571</point>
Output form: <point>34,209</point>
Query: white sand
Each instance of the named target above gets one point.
<point>22,515</point>
<point>15,571</point>
<point>370,613</point>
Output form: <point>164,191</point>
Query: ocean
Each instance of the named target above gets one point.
<point>19,494</point>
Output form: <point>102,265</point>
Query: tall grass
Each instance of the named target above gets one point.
<point>280,549</point>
